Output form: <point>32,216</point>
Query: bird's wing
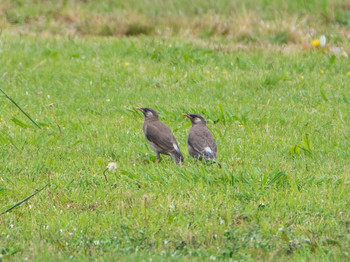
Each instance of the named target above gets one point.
<point>203,142</point>
<point>159,134</point>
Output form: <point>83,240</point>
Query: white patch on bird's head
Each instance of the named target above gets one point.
<point>197,120</point>
<point>149,113</point>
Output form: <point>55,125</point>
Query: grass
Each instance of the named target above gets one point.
<point>281,121</point>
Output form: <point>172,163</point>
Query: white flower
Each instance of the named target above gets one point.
<point>166,242</point>
<point>322,40</point>
<point>11,226</point>
<point>69,233</point>
<point>96,242</point>
<point>112,166</point>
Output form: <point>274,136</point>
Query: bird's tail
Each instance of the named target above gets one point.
<point>177,156</point>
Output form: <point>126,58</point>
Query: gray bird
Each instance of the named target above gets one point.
<point>159,136</point>
<point>201,142</point>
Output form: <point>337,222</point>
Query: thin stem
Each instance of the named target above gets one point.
<point>35,123</point>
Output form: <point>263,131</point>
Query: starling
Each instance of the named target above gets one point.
<point>159,136</point>
<point>201,142</point>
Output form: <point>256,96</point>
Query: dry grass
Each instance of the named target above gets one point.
<point>241,29</point>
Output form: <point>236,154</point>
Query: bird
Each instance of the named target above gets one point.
<point>159,137</point>
<point>201,142</point>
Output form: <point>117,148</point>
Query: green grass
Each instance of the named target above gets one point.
<point>281,121</point>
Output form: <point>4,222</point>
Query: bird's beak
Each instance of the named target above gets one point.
<point>140,109</point>
<point>184,114</point>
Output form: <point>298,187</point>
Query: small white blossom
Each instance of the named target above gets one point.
<point>70,234</point>
<point>166,242</point>
<point>61,230</point>
<point>96,242</point>
<point>30,206</point>
<point>322,40</point>
<point>112,166</point>
<point>340,213</point>
<point>11,226</point>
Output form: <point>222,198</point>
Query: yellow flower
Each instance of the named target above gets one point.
<point>321,71</point>
<point>207,72</point>
<point>315,43</point>
<point>302,77</point>
<point>240,125</point>
<point>126,63</point>
<point>216,68</point>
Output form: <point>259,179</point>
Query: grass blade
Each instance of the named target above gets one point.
<point>9,98</point>
<point>275,178</point>
<point>24,200</point>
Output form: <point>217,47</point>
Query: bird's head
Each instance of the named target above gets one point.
<point>196,119</point>
<point>149,113</point>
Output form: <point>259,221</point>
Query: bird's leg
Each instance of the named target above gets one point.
<point>158,158</point>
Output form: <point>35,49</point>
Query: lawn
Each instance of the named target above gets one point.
<point>277,106</point>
